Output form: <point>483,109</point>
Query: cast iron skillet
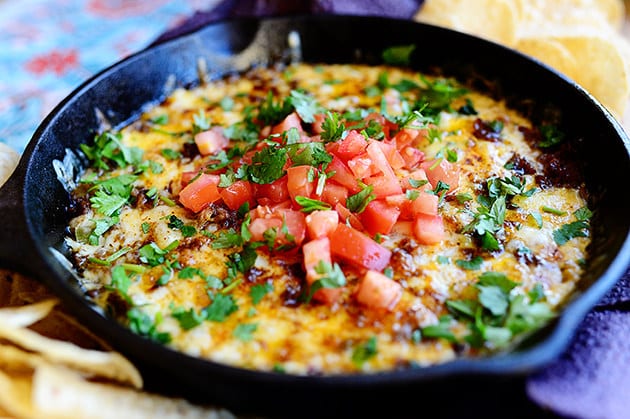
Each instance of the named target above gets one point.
<point>35,208</point>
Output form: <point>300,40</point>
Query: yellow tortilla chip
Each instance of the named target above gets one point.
<point>103,364</point>
<point>8,161</point>
<point>492,19</point>
<point>594,13</point>
<point>26,315</point>
<point>550,52</point>
<point>59,392</point>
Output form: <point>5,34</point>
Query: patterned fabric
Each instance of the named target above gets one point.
<point>49,47</point>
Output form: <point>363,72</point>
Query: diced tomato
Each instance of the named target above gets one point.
<point>187,177</point>
<point>198,194</point>
<point>393,156</point>
<point>278,218</point>
<point>405,137</point>
<point>412,157</point>
<point>442,171</point>
<point>211,141</point>
<point>321,223</point>
<point>276,192</point>
<point>425,203</point>
<point>403,204</point>
<point>379,159</point>
<point>346,216</point>
<point>381,121</point>
<point>404,228</point>
<point>343,175</point>
<point>359,249</point>
<point>351,146</point>
<point>379,217</point>
<point>291,121</point>
<point>362,166</point>
<point>297,182</point>
<point>383,186</point>
<point>429,229</point>
<point>376,291</point>
<point>334,194</point>
<point>237,194</point>
<point>315,252</point>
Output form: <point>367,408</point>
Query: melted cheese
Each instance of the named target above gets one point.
<point>311,338</point>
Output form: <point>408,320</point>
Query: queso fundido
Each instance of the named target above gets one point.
<point>330,219</point>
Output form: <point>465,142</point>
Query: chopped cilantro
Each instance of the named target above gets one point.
<point>417,183</point>
<point>108,148</point>
<point>470,265</point>
<point>153,255</point>
<point>200,123</point>
<point>332,127</point>
<point>222,306</point>
<point>364,352</point>
<point>463,197</point>
<point>140,323</point>
<point>120,280</point>
<point>311,154</point>
<point>551,135</point>
<point>570,231</point>
<point>188,319</point>
<point>305,105</point>
<point>537,218</point>
<point>244,331</point>
<point>443,260</point>
<point>468,108</point>
<point>537,293</point>
<point>267,165</point>
<point>398,55</point>
<point>146,227</point>
<point>412,195</point>
<point>107,204</point>
<point>583,214</point>
<point>310,205</point>
<point>258,291</point>
<point>441,330</point>
<point>271,113</point>
<point>227,239</point>
<point>170,154</point>
<point>358,202</point>
<point>227,103</point>
<point>159,119</point>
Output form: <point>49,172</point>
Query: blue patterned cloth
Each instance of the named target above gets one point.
<point>49,47</point>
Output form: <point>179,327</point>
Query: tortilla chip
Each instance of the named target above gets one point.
<point>103,364</point>
<point>492,19</point>
<point>59,392</point>
<point>8,161</point>
<point>567,12</point>
<point>24,316</point>
<point>550,52</point>
<point>15,395</point>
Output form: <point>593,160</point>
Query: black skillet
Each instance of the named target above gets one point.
<point>35,208</point>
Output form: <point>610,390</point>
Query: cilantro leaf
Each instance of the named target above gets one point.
<point>398,55</point>
<point>364,352</point>
<point>267,165</point>
<point>222,306</point>
<point>358,202</point>
<point>570,231</point>
<point>188,319</point>
<point>141,324</point>
<point>551,136</point>
<point>305,105</point>
<point>311,154</point>
<point>470,265</point>
<point>310,205</point>
<point>258,291</point>
<point>108,148</point>
<point>244,331</point>
<point>468,108</point>
<point>271,113</point>
<point>106,204</point>
<point>441,330</point>
<point>332,127</point>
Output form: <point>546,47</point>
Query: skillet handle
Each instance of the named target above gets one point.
<point>16,247</point>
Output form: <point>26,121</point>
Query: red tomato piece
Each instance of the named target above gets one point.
<point>403,228</point>
<point>376,291</point>
<point>237,194</point>
<point>258,227</point>
<point>403,204</point>
<point>343,175</point>
<point>334,194</point>
<point>418,174</point>
<point>383,186</point>
<point>291,121</point>
<point>276,192</point>
<point>379,159</point>
<point>404,137</point>
<point>187,177</point>
<point>279,218</point>
<point>345,216</point>
<point>211,141</point>
<point>442,171</point>
<point>351,146</point>
<point>359,249</point>
<point>321,223</point>
<point>319,120</point>
<point>429,229</point>
<point>316,251</point>
<point>297,182</point>
<point>379,217</point>
<point>412,157</point>
<point>393,156</point>
<point>198,194</point>
<point>425,203</point>
<point>362,166</point>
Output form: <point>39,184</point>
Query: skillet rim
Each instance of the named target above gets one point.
<point>541,353</point>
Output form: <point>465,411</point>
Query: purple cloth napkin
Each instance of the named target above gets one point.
<point>592,378</point>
